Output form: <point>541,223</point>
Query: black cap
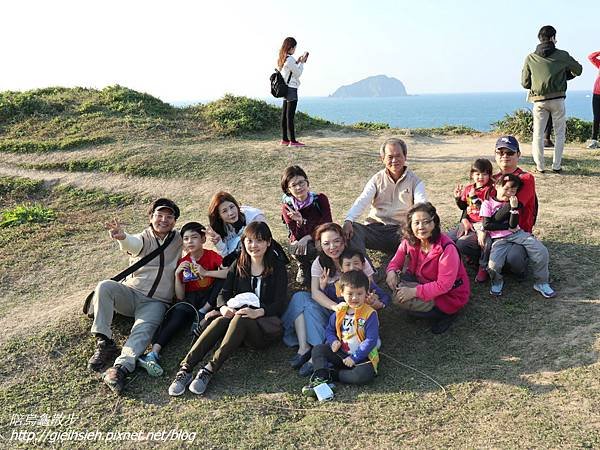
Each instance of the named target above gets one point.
<point>164,203</point>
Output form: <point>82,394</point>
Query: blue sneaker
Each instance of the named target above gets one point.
<point>496,288</point>
<point>149,362</point>
<point>306,370</point>
<point>545,290</point>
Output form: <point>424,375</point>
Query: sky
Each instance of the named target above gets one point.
<point>200,50</point>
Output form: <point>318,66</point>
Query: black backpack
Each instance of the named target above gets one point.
<point>279,87</point>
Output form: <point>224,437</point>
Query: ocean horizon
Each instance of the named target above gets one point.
<point>475,110</point>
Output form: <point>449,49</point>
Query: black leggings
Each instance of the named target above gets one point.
<point>288,111</point>
<point>359,374</point>
<point>596,110</point>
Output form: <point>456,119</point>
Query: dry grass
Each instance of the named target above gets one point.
<point>520,372</point>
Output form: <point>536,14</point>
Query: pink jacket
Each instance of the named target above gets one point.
<point>595,60</point>
<point>441,275</point>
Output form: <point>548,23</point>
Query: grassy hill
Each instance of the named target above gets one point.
<point>516,372</point>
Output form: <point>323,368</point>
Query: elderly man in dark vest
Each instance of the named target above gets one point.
<point>145,295</point>
<point>390,193</point>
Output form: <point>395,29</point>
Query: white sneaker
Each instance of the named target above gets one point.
<point>593,144</point>
<point>545,290</point>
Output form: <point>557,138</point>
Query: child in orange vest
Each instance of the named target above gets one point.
<point>351,338</point>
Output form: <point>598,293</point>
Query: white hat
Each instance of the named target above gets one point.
<point>244,299</point>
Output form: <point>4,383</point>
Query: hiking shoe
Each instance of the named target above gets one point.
<point>548,143</point>
<point>200,383</point>
<point>545,290</point>
<point>306,369</point>
<point>105,354</point>
<point>309,389</point>
<point>149,362</point>
<point>114,378</point>
<point>542,171</point>
<point>496,288</point>
<point>442,324</point>
<point>300,276</point>
<point>284,142</point>
<point>181,381</point>
<point>482,275</point>
<point>296,144</point>
<point>593,144</point>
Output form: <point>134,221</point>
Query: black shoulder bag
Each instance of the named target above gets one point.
<point>120,276</point>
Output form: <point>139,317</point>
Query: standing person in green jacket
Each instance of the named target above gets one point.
<point>545,74</point>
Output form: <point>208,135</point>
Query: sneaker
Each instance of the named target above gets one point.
<point>296,144</point>
<point>149,362</point>
<point>557,170</point>
<point>309,389</point>
<point>548,143</point>
<point>300,276</point>
<point>542,171</point>
<point>496,288</point>
<point>482,275</point>
<point>114,378</point>
<point>284,142</point>
<point>105,354</point>
<point>181,381</point>
<point>200,383</point>
<point>593,144</point>
<point>545,290</point>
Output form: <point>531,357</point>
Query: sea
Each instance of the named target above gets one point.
<point>475,110</point>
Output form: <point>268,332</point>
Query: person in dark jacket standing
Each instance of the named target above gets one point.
<point>545,74</point>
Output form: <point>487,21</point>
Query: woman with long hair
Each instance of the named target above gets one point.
<point>227,223</point>
<point>290,69</point>
<point>257,275</point>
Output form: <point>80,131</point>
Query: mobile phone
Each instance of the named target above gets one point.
<point>305,56</point>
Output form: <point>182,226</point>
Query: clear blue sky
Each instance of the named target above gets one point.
<point>188,50</point>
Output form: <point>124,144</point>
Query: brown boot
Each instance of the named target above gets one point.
<point>105,354</point>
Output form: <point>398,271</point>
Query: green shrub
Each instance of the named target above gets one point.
<point>19,188</point>
<point>451,130</point>
<point>233,115</point>
<point>371,126</point>
<point>26,213</point>
<point>15,105</point>
<point>520,124</point>
<point>121,100</point>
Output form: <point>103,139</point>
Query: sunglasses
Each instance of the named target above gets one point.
<point>505,152</point>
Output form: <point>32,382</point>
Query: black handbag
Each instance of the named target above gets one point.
<point>121,275</point>
<point>271,326</point>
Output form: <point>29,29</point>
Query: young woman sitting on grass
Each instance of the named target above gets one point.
<point>258,278</point>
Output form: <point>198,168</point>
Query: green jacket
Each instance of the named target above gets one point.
<point>546,71</point>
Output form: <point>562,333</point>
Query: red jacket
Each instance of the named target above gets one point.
<point>595,60</point>
<point>441,275</point>
<point>527,197</point>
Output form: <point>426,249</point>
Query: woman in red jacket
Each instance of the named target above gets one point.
<point>595,60</point>
<point>435,284</point>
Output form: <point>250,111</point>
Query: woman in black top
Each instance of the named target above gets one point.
<point>258,271</point>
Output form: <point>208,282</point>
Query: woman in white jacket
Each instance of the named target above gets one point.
<point>291,70</point>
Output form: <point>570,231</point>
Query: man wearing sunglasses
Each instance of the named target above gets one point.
<point>507,157</point>
<point>144,295</point>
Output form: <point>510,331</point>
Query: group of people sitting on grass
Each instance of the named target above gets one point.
<point>237,294</point>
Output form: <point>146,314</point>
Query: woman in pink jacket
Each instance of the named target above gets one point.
<point>434,284</point>
<point>595,60</point>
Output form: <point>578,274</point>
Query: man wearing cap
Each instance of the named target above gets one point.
<point>507,158</point>
<point>391,192</point>
<point>545,74</point>
<point>144,295</point>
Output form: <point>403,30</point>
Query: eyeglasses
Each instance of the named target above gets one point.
<point>298,184</point>
<point>505,153</point>
<point>424,222</point>
<point>161,216</point>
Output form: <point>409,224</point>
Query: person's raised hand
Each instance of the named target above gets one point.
<point>214,237</point>
<point>324,279</point>
<point>115,229</point>
<point>514,201</point>
<point>458,190</point>
<point>347,230</point>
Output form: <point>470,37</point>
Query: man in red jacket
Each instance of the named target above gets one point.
<point>507,158</point>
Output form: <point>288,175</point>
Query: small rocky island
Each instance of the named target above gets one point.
<point>376,86</point>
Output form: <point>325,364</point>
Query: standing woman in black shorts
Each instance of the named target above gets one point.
<point>290,69</point>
